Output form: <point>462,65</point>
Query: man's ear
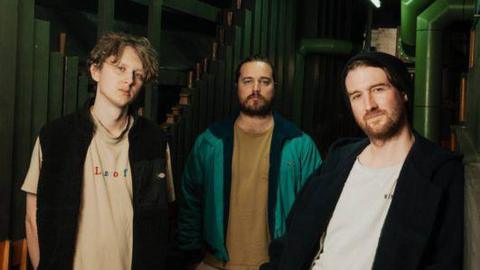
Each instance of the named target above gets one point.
<point>94,72</point>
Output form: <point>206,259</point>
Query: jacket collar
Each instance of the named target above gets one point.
<point>424,154</point>
<point>282,128</point>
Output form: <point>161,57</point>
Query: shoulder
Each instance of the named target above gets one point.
<point>216,132</point>
<point>220,129</point>
<point>432,152</point>
<point>342,149</point>
<point>435,162</point>
<point>347,146</point>
<point>287,128</point>
<point>61,123</point>
<point>60,128</point>
<point>148,126</point>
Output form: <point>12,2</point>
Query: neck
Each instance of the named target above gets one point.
<point>112,118</point>
<point>392,151</point>
<point>254,124</point>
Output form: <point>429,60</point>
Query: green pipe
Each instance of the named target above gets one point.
<point>314,46</point>
<point>106,16</point>
<point>192,7</point>
<point>409,10</point>
<point>428,65</point>
<point>154,29</point>
<point>325,45</point>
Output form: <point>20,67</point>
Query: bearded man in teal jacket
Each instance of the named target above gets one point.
<point>242,177</point>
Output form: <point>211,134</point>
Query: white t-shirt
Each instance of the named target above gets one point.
<point>352,235</point>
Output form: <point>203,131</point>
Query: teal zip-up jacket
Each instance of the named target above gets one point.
<point>205,187</point>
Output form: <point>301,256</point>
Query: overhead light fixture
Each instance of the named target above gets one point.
<point>376,3</point>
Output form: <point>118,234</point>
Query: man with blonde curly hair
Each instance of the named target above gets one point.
<point>98,186</point>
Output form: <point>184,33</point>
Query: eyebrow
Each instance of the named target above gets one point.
<point>261,78</point>
<point>136,70</point>
<point>370,87</point>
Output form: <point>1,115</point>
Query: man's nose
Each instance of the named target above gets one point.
<point>256,86</point>
<point>129,78</point>
<point>369,102</point>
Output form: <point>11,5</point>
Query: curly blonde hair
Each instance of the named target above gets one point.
<point>113,44</point>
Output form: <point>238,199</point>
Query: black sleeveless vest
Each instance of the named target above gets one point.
<point>64,144</point>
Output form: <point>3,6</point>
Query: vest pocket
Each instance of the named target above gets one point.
<point>151,179</point>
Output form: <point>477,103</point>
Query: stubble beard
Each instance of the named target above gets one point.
<point>394,122</point>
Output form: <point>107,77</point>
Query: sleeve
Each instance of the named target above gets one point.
<point>31,180</point>
<point>190,224</point>
<point>277,246</point>
<point>310,160</point>
<point>445,250</point>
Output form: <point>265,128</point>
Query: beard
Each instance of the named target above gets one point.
<point>383,125</point>
<point>259,108</point>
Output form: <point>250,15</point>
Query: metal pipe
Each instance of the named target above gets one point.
<point>205,65</point>
<point>409,10</point>
<point>368,29</point>
<point>214,51</point>
<point>198,71</point>
<point>463,96</point>
<point>428,65</point>
<point>326,45</point>
<point>194,8</point>
<point>190,79</point>
<point>473,45</point>
<point>184,98</point>
<point>314,46</point>
<point>61,42</point>
<point>453,140</point>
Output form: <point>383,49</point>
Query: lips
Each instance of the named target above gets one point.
<point>374,114</point>
<point>125,92</point>
<point>254,96</point>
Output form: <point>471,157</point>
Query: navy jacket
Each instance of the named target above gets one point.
<point>424,225</point>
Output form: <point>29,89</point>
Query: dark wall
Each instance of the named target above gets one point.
<point>325,115</point>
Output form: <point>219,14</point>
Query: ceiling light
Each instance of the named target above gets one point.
<point>376,3</point>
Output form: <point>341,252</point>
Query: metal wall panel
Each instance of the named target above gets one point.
<point>8,52</point>
<point>40,76</point>
<point>23,103</point>
<point>106,11</point>
<point>257,26</point>
<point>70,85</point>
<point>55,85</point>
<point>83,95</point>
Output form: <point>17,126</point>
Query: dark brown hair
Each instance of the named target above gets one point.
<point>254,58</point>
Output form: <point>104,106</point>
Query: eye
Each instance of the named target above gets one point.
<point>265,82</point>
<point>139,77</point>
<point>247,81</point>
<point>354,96</point>
<point>378,89</point>
<point>121,68</point>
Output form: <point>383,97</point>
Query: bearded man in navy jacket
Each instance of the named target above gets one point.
<point>391,201</point>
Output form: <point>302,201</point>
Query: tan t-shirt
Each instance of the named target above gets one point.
<point>104,238</point>
<point>247,233</point>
